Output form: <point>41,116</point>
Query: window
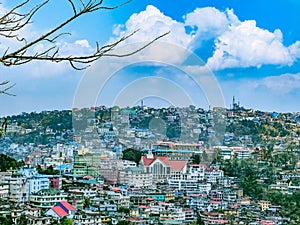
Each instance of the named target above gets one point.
<point>158,168</point>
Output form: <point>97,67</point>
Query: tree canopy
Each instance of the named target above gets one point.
<point>132,155</point>
<point>7,163</point>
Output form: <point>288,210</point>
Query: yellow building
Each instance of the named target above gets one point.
<point>264,205</point>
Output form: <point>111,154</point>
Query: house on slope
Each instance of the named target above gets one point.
<point>61,209</point>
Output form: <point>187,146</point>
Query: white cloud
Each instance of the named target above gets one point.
<point>209,23</point>
<point>83,43</point>
<point>272,93</point>
<point>282,84</point>
<point>79,47</point>
<point>237,43</point>
<point>151,23</point>
<point>246,45</point>
<point>295,50</point>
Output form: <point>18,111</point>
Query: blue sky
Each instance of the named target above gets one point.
<point>251,47</point>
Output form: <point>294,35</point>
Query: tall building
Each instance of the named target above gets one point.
<point>18,188</point>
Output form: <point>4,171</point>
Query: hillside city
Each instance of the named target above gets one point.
<point>145,165</point>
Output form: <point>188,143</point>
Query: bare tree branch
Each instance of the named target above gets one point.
<point>13,22</point>
<point>5,90</point>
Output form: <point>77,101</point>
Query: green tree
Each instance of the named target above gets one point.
<point>22,220</point>
<point>124,210</point>
<point>66,221</point>
<point>87,203</point>
<point>6,220</point>
<point>132,155</point>
<point>199,220</point>
<point>7,163</point>
<point>3,126</point>
<point>196,159</point>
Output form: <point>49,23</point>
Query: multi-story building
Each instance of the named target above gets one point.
<point>4,190</point>
<point>225,152</point>
<point>211,218</point>
<point>46,198</point>
<point>264,205</point>
<point>110,209</point>
<point>229,196</point>
<point>241,153</point>
<point>18,188</point>
<point>212,175</point>
<point>197,171</point>
<point>90,218</point>
<point>182,183</point>
<point>196,201</point>
<point>55,182</point>
<point>189,216</point>
<point>34,216</point>
<point>37,183</point>
<point>134,176</point>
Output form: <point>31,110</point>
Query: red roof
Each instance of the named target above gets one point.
<point>149,161</point>
<point>62,208</point>
<point>267,222</point>
<point>211,213</point>
<point>196,195</point>
<point>188,210</point>
<point>215,202</point>
<point>144,207</point>
<point>235,206</point>
<point>59,211</point>
<point>116,189</point>
<point>176,165</point>
<point>218,221</point>
<point>67,205</point>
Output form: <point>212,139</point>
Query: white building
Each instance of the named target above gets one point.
<point>90,218</point>
<point>37,183</point>
<point>4,191</point>
<point>213,175</point>
<point>18,188</point>
<point>4,185</point>
<point>197,171</point>
<point>134,176</point>
<point>241,152</point>
<point>47,198</point>
<point>189,216</point>
<point>34,216</point>
<point>28,172</point>
<point>86,192</point>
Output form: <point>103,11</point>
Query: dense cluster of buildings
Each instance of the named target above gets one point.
<point>94,185</point>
